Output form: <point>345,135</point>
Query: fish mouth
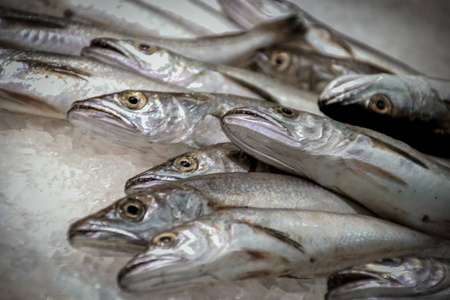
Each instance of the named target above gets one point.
<point>343,89</point>
<point>355,282</point>
<point>146,180</point>
<point>97,109</point>
<point>104,240</point>
<point>110,51</point>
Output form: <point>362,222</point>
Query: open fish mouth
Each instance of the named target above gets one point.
<point>341,90</point>
<point>246,117</point>
<point>110,51</point>
<point>110,46</point>
<point>98,110</point>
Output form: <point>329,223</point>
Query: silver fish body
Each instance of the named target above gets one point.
<point>385,175</point>
<point>144,119</point>
<point>165,65</point>
<point>219,158</point>
<point>47,84</point>
<point>415,109</point>
<point>262,243</point>
<point>398,278</point>
<point>20,29</point>
<point>133,16</point>
<point>318,36</point>
<point>136,218</point>
<point>307,69</point>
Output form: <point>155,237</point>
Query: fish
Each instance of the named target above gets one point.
<point>135,17</point>
<point>146,120</point>
<point>20,29</point>
<point>263,243</point>
<point>393,278</point>
<point>229,48</point>
<point>46,84</point>
<point>414,109</point>
<point>165,65</point>
<point>307,69</point>
<point>132,221</point>
<point>385,175</point>
<point>315,35</point>
<point>219,158</point>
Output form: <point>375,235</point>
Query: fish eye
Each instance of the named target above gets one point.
<point>186,164</point>
<point>133,100</point>
<point>146,49</point>
<point>286,112</point>
<point>132,210</point>
<point>166,239</point>
<point>280,60</point>
<point>380,104</point>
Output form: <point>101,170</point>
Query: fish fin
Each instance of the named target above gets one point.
<point>56,68</point>
<point>278,235</point>
<point>371,173</point>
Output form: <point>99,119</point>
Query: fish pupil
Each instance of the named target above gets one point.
<point>279,60</point>
<point>185,163</point>
<point>286,111</point>
<point>144,47</point>
<point>132,210</point>
<point>381,105</point>
<point>133,100</point>
<point>165,239</point>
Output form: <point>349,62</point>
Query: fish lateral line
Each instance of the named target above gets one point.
<point>59,69</point>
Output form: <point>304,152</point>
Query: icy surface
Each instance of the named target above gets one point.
<point>52,174</point>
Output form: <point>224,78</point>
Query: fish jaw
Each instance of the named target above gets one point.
<point>146,180</point>
<point>111,51</point>
<point>347,90</point>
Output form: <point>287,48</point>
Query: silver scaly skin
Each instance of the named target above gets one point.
<point>219,158</point>
<point>307,69</point>
<point>412,108</point>
<point>144,119</point>
<point>262,243</point>
<point>397,278</point>
<point>385,175</point>
<point>318,36</point>
<point>20,29</point>
<point>165,65</point>
<point>46,84</point>
<point>132,221</point>
<point>147,18</point>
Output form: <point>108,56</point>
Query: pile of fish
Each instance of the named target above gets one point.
<point>276,179</point>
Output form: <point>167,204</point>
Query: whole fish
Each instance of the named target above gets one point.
<point>47,84</point>
<point>415,109</point>
<point>398,278</point>
<point>385,175</point>
<point>307,69</point>
<point>232,48</point>
<point>133,16</point>
<point>146,119</point>
<point>132,221</point>
<point>165,65</point>
<point>318,36</point>
<point>219,158</point>
<point>260,243</point>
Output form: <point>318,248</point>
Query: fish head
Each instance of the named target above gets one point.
<point>218,158</point>
<point>175,259</point>
<point>138,55</point>
<point>140,117</point>
<point>128,225</point>
<point>396,277</point>
<point>367,98</point>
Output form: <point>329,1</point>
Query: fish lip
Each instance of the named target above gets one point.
<point>84,105</point>
<point>138,180</point>
<point>338,91</point>
<point>253,113</point>
<point>348,280</point>
<point>109,45</point>
<point>110,51</point>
